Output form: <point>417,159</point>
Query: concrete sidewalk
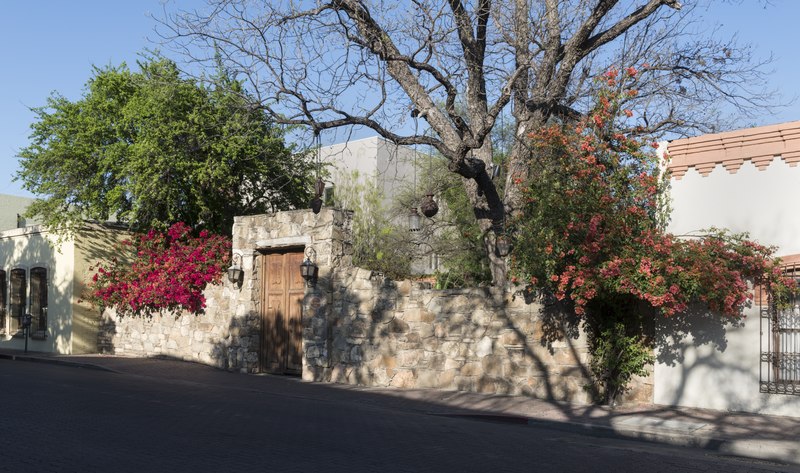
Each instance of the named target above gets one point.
<point>770,438</point>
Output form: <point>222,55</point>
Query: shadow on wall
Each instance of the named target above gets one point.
<point>387,333</point>
<point>383,333</point>
<point>697,324</point>
<point>93,245</point>
<point>214,337</point>
<point>242,348</point>
<point>237,348</point>
<point>725,386</point>
<point>679,342</point>
<point>710,361</point>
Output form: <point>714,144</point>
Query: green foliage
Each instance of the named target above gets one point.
<point>456,238</point>
<point>617,356</point>
<point>150,148</point>
<point>379,242</point>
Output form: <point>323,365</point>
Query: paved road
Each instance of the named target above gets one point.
<point>65,419</point>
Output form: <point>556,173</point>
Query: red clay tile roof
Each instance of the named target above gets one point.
<point>731,149</point>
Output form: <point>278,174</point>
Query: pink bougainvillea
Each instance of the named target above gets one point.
<point>165,272</point>
<point>593,229</point>
<point>592,233</point>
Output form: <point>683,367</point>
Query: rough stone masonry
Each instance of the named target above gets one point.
<point>364,329</point>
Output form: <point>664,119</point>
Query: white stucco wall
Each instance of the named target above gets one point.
<point>717,367</point>
<point>31,247</point>
<point>709,364</point>
<point>389,167</point>
<point>396,168</point>
<point>762,203</point>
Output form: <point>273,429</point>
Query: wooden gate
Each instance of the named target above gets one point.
<point>282,294</point>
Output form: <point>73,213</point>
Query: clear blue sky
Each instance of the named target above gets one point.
<point>50,45</point>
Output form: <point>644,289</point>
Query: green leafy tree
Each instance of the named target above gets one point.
<point>592,233</point>
<point>151,148</point>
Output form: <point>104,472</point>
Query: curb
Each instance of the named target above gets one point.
<point>54,361</point>
<point>782,451</point>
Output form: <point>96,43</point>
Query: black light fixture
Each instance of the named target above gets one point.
<point>428,206</point>
<point>235,272</point>
<point>414,220</point>
<point>316,205</point>
<point>308,269</point>
<point>502,246</point>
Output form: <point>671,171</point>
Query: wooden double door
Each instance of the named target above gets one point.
<point>282,294</point>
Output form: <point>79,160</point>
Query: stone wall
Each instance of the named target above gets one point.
<point>361,328</point>
<point>225,336</point>
<point>378,332</point>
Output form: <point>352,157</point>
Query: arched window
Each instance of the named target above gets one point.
<point>39,303</point>
<point>18,296</point>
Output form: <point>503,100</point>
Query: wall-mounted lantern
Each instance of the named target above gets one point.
<point>235,272</point>
<point>308,268</point>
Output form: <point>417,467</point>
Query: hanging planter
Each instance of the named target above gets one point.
<point>428,206</point>
<point>316,205</point>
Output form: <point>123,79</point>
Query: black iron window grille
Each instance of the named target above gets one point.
<point>780,343</point>
<point>3,289</point>
<point>38,308</point>
<point>18,301</point>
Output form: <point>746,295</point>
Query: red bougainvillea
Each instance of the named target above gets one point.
<point>166,272</point>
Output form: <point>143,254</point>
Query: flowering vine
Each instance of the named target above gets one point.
<point>592,233</point>
<point>166,272</point>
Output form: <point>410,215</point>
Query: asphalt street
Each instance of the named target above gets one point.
<point>66,419</point>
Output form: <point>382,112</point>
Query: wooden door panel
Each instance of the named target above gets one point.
<point>294,311</point>
<point>282,331</point>
<point>295,332</point>
<point>295,279</point>
<point>275,270</point>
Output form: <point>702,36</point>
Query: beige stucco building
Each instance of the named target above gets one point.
<point>43,276</point>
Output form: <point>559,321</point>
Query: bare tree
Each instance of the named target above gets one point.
<point>460,64</point>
